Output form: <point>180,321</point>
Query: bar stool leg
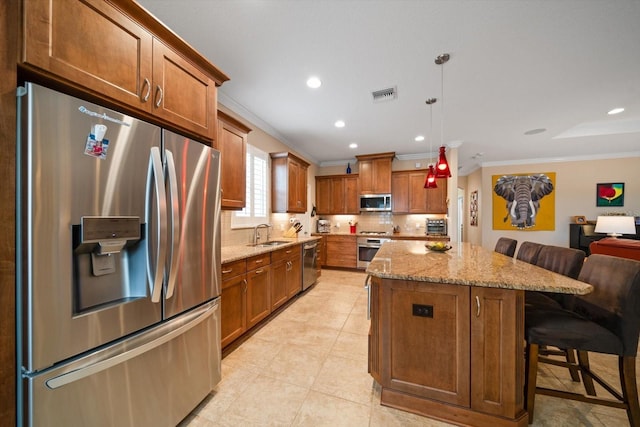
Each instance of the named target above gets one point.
<point>571,360</point>
<point>531,368</point>
<point>627,367</point>
<point>583,361</point>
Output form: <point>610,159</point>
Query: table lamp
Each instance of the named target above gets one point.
<point>616,225</point>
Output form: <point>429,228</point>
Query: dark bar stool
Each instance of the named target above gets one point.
<point>506,246</point>
<point>568,262</point>
<point>529,251</point>
<point>605,321</point>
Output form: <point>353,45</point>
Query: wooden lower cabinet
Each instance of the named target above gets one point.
<point>320,256</point>
<point>341,251</point>
<point>450,352</point>
<point>233,302</point>
<point>258,295</point>
<point>253,288</point>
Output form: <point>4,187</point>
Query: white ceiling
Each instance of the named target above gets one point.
<point>516,65</point>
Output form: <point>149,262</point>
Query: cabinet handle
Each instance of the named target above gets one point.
<point>477,306</point>
<point>245,284</point>
<point>158,96</point>
<point>227,271</point>
<point>146,83</point>
<point>287,252</point>
<point>259,261</point>
<point>259,271</point>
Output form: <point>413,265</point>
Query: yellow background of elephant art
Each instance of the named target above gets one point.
<point>545,214</point>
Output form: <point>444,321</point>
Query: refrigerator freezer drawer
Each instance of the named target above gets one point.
<point>152,379</point>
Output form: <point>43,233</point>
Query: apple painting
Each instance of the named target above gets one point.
<point>611,194</point>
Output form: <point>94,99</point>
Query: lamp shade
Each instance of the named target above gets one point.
<point>616,225</point>
<point>442,167</point>
<point>430,182</point>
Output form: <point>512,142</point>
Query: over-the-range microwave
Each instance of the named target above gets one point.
<point>375,203</point>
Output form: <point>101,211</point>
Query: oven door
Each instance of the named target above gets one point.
<point>367,249</point>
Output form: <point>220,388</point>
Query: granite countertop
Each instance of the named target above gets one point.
<point>467,264</point>
<point>238,252</point>
<point>398,236</point>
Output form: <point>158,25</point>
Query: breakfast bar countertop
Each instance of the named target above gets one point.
<point>467,264</point>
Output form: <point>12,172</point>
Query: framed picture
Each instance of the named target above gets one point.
<point>610,194</point>
<point>473,208</point>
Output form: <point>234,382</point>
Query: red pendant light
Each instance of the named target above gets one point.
<point>430,182</point>
<point>442,167</point>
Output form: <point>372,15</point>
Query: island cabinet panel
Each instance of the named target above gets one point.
<point>497,368</point>
<point>375,350</point>
<point>418,323</point>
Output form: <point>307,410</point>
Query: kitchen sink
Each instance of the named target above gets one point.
<point>269,244</point>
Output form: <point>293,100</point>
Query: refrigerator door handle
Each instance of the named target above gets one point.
<point>194,319</point>
<point>175,224</point>
<point>155,179</point>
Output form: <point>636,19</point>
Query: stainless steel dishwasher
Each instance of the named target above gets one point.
<point>309,264</point>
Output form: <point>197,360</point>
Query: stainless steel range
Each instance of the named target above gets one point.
<point>368,243</point>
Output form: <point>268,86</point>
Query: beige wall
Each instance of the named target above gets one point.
<point>575,195</point>
<point>280,222</point>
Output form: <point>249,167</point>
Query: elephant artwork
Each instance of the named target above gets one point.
<point>523,194</point>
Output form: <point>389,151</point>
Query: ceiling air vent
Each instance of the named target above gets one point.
<point>385,94</point>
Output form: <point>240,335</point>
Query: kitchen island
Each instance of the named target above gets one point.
<point>447,330</point>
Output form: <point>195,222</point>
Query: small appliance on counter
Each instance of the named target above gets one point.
<point>436,227</point>
<point>324,226</point>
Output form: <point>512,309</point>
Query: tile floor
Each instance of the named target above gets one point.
<point>308,367</point>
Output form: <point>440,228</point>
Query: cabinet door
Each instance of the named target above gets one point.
<point>418,194</point>
<point>279,283</point>
<point>323,195</point>
<point>341,251</point>
<point>258,295</point>
<point>91,44</point>
<point>294,276</point>
<point>400,192</point>
<point>232,145</point>
<point>497,353</point>
<point>436,202</point>
<point>182,93</point>
<point>381,179</point>
<point>337,196</point>
<point>432,320</point>
<point>297,186</point>
<point>233,308</point>
<point>351,200</point>
<point>375,330</point>
<point>365,173</point>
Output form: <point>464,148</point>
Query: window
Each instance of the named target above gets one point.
<point>256,209</point>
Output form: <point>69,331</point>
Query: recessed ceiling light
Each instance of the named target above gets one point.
<point>314,82</point>
<point>419,138</point>
<point>615,111</point>
<point>339,124</point>
<point>353,145</point>
<point>535,131</point>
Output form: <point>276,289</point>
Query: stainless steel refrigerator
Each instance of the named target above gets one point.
<point>119,267</point>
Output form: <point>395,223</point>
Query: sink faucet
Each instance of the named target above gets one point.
<point>256,233</point>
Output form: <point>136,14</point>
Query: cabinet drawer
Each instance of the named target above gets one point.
<point>233,269</point>
<point>258,261</point>
<point>285,253</point>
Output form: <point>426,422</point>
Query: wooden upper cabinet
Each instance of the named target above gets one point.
<point>337,194</point>
<point>114,50</point>
<point>232,143</point>
<point>410,196</point>
<point>288,183</point>
<point>182,94</point>
<point>375,173</point>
